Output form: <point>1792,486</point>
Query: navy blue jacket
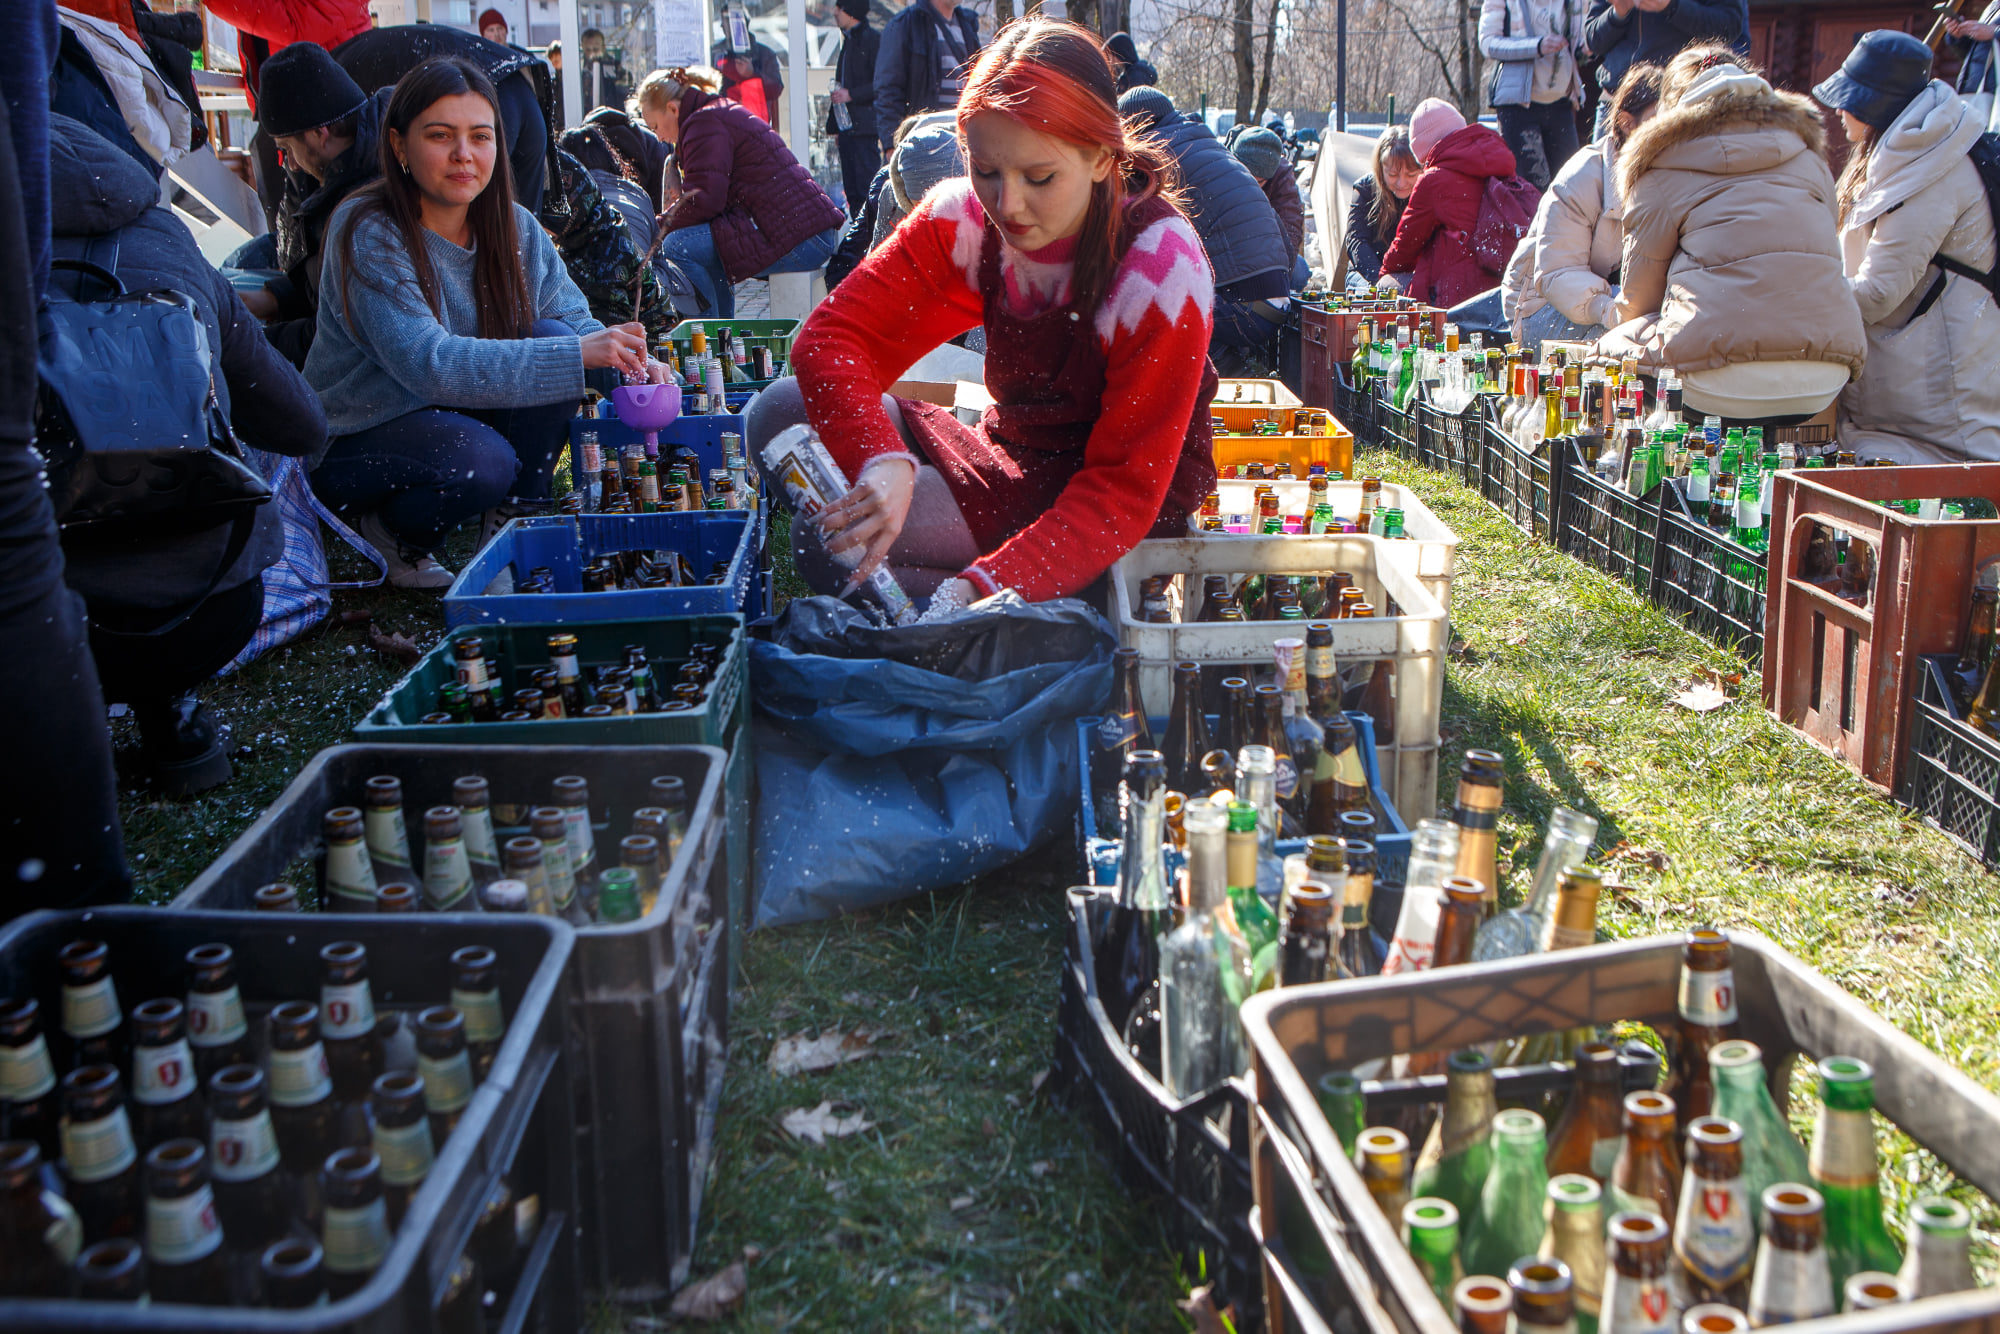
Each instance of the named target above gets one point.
<point>1232,215</point>
<point>906,68</point>
<point>855,71</point>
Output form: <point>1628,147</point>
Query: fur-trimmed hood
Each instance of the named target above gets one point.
<point>1732,132</point>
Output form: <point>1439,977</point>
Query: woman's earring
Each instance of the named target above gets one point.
<point>405,164</point>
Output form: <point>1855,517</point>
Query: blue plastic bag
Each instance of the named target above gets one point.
<point>891,762</point>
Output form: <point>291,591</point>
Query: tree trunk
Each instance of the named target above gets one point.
<point>1244,48</point>
<point>1003,13</point>
<point>1469,60</point>
<point>1270,48</point>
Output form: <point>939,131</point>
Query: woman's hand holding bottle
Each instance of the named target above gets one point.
<point>870,516</point>
<point>622,346</point>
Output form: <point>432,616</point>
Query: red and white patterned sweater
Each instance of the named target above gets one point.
<point>922,287</point>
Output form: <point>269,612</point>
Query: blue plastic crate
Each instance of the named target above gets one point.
<point>704,537</point>
<point>702,434</point>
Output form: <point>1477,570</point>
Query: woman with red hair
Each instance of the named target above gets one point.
<point>1096,300</point>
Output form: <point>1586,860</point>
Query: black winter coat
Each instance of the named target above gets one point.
<point>855,71</point>
<point>1237,225</point>
<point>301,232</point>
<point>1654,39</point>
<point>906,68</point>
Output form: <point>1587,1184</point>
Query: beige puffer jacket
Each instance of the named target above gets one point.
<point>1931,389</point>
<point>1573,246</point>
<point>1731,253</point>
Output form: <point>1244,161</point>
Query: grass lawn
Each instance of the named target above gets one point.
<point>972,1201</point>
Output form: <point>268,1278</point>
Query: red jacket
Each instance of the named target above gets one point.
<point>1434,240</point>
<point>281,22</point>
<point>737,175</point>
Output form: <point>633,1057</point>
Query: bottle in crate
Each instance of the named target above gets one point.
<point>1638,1293</point>
<point>401,1139</point>
<point>252,1196</point>
<point>1524,930</point>
<point>92,1018</point>
<point>166,1093</point>
<point>1792,1279</point>
<point>1430,1232</point>
<point>216,1027</point>
<point>1544,1295</point>
<point>446,1067</point>
<point>1940,1255</point>
<point>100,1163</point>
<point>1707,1011</point>
<point>184,1257</point>
<point>475,994</point>
<point>1588,1135</point>
<point>304,1114</point>
<point>1575,1236</point>
<point>1123,731</point>
<point>1715,1236</point>
<point>355,1233</point>
<point>39,1232</point>
<point>1647,1176</point>
<point>1458,1154</point>
<point>30,1104</point>
<point>1128,960</point>
<point>292,1274</point>
<point>1844,1171</point>
<point>1772,1154</point>
<point>1507,1220</point>
<point>347,1026</point>
<point>1383,1155</point>
<point>1340,1098</point>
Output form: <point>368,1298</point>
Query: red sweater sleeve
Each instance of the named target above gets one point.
<point>1155,323</point>
<point>1419,221</point>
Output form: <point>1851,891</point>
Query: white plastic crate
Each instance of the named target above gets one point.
<point>1415,640</point>
<point>1428,548</point>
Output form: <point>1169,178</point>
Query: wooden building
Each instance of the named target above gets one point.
<point>1799,44</point>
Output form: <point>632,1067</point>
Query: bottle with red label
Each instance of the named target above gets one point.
<point>1707,1016</point>
<point>1715,1233</point>
<point>184,1257</point>
<point>166,1095</point>
<point>250,1188</point>
<point>1638,1298</point>
<point>215,1024</point>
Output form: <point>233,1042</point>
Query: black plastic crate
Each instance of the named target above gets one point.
<point>1194,1154</point>
<point>1607,526</point>
<point>641,1186</point>
<point>1714,585</point>
<point>1522,486</point>
<point>1952,778</point>
<point>1355,408</point>
<point>1397,430</point>
<point>1454,442</point>
<point>518,1124</point>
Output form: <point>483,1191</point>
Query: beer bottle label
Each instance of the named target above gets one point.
<point>26,1073</point>
<point>560,876</point>
<point>566,671</point>
<point>243,1150</point>
<point>355,1240</point>
<point>1790,1285</point>
<point>1708,1000</point>
<point>346,1011</point>
<point>480,848</point>
<point>215,1018</point>
<point>1568,937</point>
<point>350,876</point>
<point>163,1074</point>
<point>300,1078</point>
<point>472,671</point>
<point>64,1235</point>
<point>1712,1231</point>
<point>1288,777</point>
<point>582,847</point>
<point>182,1230</point>
<point>1639,1305</point>
<point>447,873</point>
<point>447,1082</point>
<point>1843,1149</point>
<point>1115,731</point>
<point>388,839</point>
<point>405,1151</point>
<point>98,1150</point>
<point>91,1010</point>
<point>483,1022</point>
<point>1350,778</point>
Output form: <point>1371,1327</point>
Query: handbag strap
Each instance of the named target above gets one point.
<point>96,256</point>
<point>239,538</point>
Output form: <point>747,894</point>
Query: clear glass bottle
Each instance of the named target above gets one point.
<point>1430,1233</point>
<point>1506,1224</point>
<point>1458,1154</point>
<point>1638,1296</point>
<point>1771,1152</point>
<point>1844,1172</point>
<point>1792,1280</point>
<point>1940,1254</point>
<point>1433,856</point>
<point>1522,930</point>
<point>1575,1235</point>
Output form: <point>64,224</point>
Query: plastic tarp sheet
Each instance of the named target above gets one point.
<point>895,761</point>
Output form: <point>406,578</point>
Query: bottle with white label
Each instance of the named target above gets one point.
<point>401,1138</point>
<point>1575,1236</point>
<point>1638,1298</point>
<point>447,865</point>
<point>251,1192</point>
<point>1792,1280</point>
<point>350,884</point>
<point>1715,1234</point>
<point>299,1087</point>
<point>571,794</point>
<point>382,820</point>
<point>1940,1255</point>
<point>446,1066</point>
<point>1844,1171</point>
<point>100,1164</point>
<point>184,1260</point>
<point>215,1024</point>
<point>30,1107</point>
<point>549,824</point>
<point>166,1095</point>
<point>1707,1016</point>
<point>91,1016</point>
<point>347,1020</point>
<point>475,994</point>
<point>355,1232</point>
<point>473,797</point>
<point>39,1233</point>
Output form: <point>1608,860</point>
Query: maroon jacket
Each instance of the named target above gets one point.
<point>737,175</point>
<point>1283,192</point>
<point>1434,240</point>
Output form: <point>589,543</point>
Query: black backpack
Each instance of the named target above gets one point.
<point>1985,155</point>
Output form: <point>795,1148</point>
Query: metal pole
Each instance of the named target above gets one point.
<point>572,77</point>
<point>797,92</point>
<point>1340,66</point>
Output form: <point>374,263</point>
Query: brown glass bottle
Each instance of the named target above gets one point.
<point>460,1311</point>
<point>184,1260</point>
<point>1544,1294</point>
<point>304,1114</point>
<point>1236,728</point>
<point>522,860</point>
<point>402,1138</point>
<point>1588,1136</point>
<point>640,854</point>
<point>216,1028</point>
<point>166,1096</point>
<point>1715,1238</point>
<point>347,1020</point>
<point>292,1274</point>
<point>1477,815</point>
<point>1340,778</point>
<point>1123,729</point>
<point>100,1161</point>
<point>399,897</point>
<point>30,1106</point>
<point>1305,948</point>
<point>475,994</point>
<point>447,864</point>
<point>276,897</point>
<point>445,1064</point>
<point>251,1192</point>
<point>92,1019</point>
<point>1270,723</point>
<point>111,1271</point>
<point>1484,1305</point>
<point>1647,1175</point>
<point>1383,1155</point>
<point>1638,1297</point>
<point>548,825</point>
<point>496,1241</point>
<point>39,1232</point>
<point>1707,1016</point>
<point>1458,922</point>
<point>355,1233</point>
<point>1378,697</point>
<point>1358,956</point>
<point>1791,1279</point>
<point>473,797</point>
<point>1187,730</point>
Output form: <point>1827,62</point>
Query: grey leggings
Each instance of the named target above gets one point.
<point>935,544</point>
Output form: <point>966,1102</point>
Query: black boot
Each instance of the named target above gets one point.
<point>181,745</point>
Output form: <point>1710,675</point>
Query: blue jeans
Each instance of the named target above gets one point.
<point>1549,322</point>
<point>694,248</point>
<point>427,471</point>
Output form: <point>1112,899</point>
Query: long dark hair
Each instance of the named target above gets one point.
<point>1056,77</point>
<point>1387,211</point>
<point>499,286</point>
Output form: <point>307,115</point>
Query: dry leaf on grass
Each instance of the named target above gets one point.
<point>398,646</point>
<point>799,1054</point>
<point>816,1125</point>
<point>1200,1308</point>
<point>1707,693</point>
<point>1035,1084</point>
<point>713,1297</point>
<point>1627,851</point>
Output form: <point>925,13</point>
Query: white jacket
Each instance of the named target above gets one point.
<point>1573,246</point>
<point>1509,37</point>
<point>1930,390</point>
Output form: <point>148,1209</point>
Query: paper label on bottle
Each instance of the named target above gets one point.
<point>163,1074</point>
<point>26,1073</point>
<point>243,1150</point>
<point>405,1151</point>
<point>388,840</point>
<point>1638,1305</point>
<point>582,847</point>
<point>347,1010</point>
<point>480,848</point>
<point>472,672</point>
<point>1320,662</point>
<point>350,875</point>
<point>91,1010</point>
<point>299,1078</point>
<point>1288,777</point>
<point>1713,1234</point>
<point>447,873</point>
<point>182,1230</point>
<point>1568,937</point>
<point>1843,1149</point>
<point>215,1018</point>
<point>1117,730</point>
<point>447,1082</point>
<point>98,1150</point>
<point>566,671</point>
<point>64,1235</point>
<point>1708,1000</point>
<point>1788,1286</point>
<point>557,871</point>
<point>483,1020</point>
<point>355,1240</point>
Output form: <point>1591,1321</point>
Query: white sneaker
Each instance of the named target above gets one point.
<point>406,568</point>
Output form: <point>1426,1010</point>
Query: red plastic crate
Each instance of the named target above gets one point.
<point>1839,671</point>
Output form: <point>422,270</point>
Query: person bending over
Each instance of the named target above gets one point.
<point>1379,200</point>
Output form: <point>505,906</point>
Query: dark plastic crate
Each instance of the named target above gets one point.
<point>564,545</point>
<point>1522,486</point>
<point>1607,526</point>
<point>634,982</point>
<point>518,1124</point>
<point>1952,776</point>
<point>699,433</point>
<point>1397,430</point>
<point>1714,585</point>
<point>1454,442</point>
<point>1355,408</point>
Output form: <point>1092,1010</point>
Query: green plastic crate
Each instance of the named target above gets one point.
<point>774,334</point>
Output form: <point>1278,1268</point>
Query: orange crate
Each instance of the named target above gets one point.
<point>1840,671</point>
<point>1335,451</point>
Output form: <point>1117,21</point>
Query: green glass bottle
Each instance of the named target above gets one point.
<point>1575,1235</point>
<point>1459,1153</point>
<point>1340,1098</point>
<point>1771,1152</point>
<point>1940,1258</point>
<point>1430,1231</point>
<point>1843,1169</point>
<point>1507,1222</point>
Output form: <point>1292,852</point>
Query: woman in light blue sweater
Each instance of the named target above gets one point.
<point>452,345</point>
